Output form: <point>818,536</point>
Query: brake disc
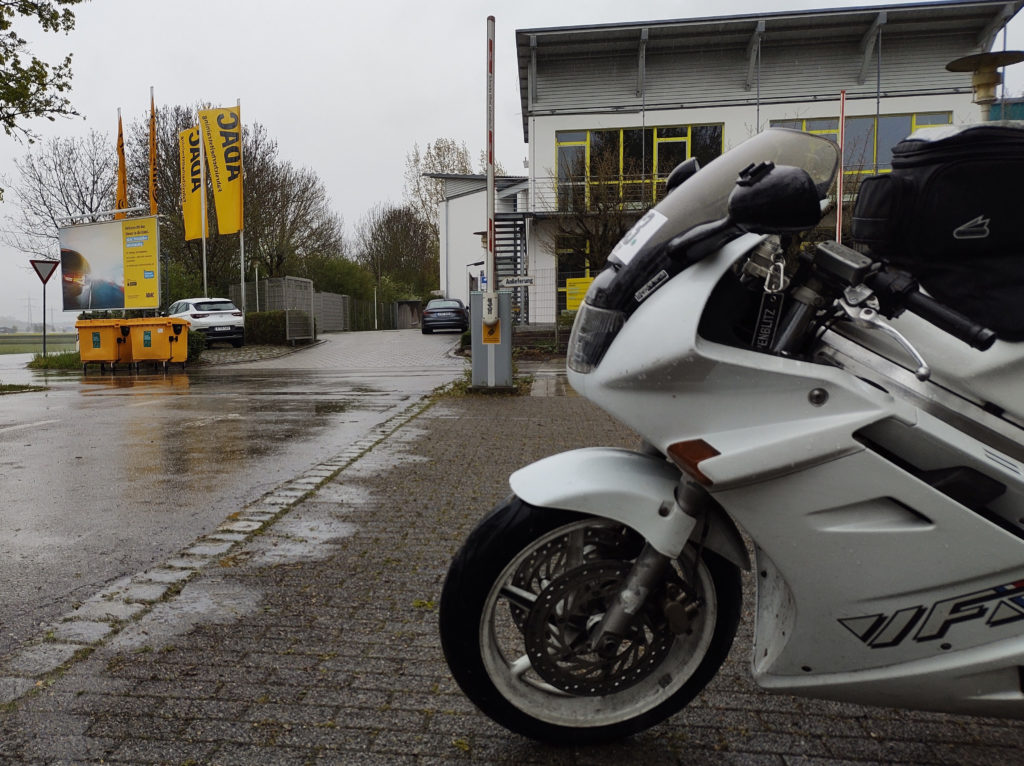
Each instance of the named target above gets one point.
<point>557,630</point>
<point>602,540</point>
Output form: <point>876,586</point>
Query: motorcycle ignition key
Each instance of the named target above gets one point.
<point>770,311</point>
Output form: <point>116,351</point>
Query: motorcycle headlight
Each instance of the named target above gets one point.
<point>592,334</point>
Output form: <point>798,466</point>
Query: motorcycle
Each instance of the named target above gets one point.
<point>865,437</point>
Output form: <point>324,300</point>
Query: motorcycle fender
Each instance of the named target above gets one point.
<point>632,488</point>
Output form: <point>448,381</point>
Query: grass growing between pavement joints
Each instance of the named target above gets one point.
<point>14,388</point>
<point>66,360</point>
<point>521,385</point>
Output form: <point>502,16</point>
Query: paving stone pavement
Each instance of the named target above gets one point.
<point>313,639</point>
<point>350,351</point>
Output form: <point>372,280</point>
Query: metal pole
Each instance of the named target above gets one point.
<point>202,203</point>
<point>878,90</point>
<point>757,126</point>
<point>44,319</point>
<point>241,201</point>
<point>489,315</point>
<point>839,179</point>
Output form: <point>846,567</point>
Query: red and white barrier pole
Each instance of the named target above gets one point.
<point>839,179</point>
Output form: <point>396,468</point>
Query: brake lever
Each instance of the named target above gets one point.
<point>869,319</point>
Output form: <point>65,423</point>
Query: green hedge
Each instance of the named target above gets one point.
<point>196,345</point>
<point>265,328</point>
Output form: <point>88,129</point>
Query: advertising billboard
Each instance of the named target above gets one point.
<point>111,265</point>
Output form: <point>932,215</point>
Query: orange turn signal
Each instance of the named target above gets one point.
<point>688,455</point>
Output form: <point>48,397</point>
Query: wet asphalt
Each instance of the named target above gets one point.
<point>109,473</point>
<point>302,629</point>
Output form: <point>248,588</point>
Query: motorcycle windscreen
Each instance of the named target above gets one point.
<point>639,264</point>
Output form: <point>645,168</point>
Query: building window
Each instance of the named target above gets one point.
<point>626,166</point>
<point>869,141</point>
<point>572,255</point>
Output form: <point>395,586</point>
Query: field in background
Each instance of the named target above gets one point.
<point>32,343</point>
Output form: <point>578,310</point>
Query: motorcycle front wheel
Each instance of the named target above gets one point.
<point>524,592</point>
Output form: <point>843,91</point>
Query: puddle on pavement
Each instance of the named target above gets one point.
<point>330,408</point>
<point>206,601</point>
<point>299,539</point>
<point>345,495</point>
<point>389,455</point>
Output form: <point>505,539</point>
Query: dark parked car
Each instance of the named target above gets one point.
<point>444,314</point>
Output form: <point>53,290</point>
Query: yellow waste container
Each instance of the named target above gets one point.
<point>178,339</point>
<point>158,339</point>
<point>103,341</point>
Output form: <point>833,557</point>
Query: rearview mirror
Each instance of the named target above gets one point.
<point>682,172</point>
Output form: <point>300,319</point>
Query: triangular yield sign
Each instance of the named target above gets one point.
<point>44,269</point>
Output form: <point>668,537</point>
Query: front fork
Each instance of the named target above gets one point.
<point>649,570</point>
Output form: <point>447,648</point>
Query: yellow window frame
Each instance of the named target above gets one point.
<point>622,182</point>
<point>874,149</point>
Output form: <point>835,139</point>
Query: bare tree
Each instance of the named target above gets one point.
<point>444,155</point>
<point>288,214</point>
<point>292,219</point>
<point>397,246</point>
<point>424,194</point>
<point>597,204</point>
<point>62,178</point>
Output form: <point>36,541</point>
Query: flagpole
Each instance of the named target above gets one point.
<point>152,153</point>
<point>202,201</point>
<point>121,193</point>
<point>241,202</point>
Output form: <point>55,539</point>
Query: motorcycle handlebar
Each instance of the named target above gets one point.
<point>896,286</point>
<point>953,322</point>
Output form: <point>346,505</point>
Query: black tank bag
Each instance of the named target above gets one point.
<point>951,214</point>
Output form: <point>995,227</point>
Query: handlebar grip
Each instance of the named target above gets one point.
<point>948,320</point>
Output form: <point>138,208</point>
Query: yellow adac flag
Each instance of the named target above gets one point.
<point>121,196</point>
<point>192,207</point>
<point>222,138</point>
<point>152,154</point>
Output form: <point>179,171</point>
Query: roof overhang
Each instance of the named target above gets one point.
<point>477,182</point>
<point>981,18</point>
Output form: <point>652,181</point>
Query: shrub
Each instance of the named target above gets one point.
<point>67,360</point>
<point>265,328</point>
<point>196,345</point>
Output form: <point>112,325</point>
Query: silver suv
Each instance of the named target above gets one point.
<point>218,318</point>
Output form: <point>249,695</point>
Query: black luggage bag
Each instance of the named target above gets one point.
<point>951,214</point>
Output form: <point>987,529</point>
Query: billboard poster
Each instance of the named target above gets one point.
<point>110,265</point>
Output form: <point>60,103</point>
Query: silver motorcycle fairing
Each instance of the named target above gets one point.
<point>867,575</point>
<point>629,487</point>
<point>670,385</point>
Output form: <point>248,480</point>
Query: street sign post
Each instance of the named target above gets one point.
<point>524,281</point>
<point>45,270</point>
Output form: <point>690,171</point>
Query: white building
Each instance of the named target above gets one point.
<point>649,95</point>
<point>462,219</point>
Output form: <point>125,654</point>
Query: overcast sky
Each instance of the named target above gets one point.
<point>346,88</point>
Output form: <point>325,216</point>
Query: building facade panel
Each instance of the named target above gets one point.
<point>585,89</point>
